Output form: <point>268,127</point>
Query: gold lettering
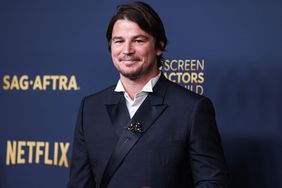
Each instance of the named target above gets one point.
<point>21,152</point>
<point>6,82</point>
<point>64,150</point>
<point>38,151</point>
<point>199,89</point>
<point>170,77</point>
<point>46,81</point>
<point>201,65</point>
<point>54,81</point>
<point>193,65</point>
<point>186,78</point>
<point>37,83</point>
<point>46,156</point>
<point>72,83</point>
<point>201,78</point>
<point>30,145</point>
<point>56,153</point>
<point>194,76</point>
<point>11,152</point>
<point>166,65</point>
<point>171,65</point>
<point>180,64</point>
<point>178,77</point>
<point>24,82</point>
<point>15,83</point>
<point>63,82</point>
<point>183,65</point>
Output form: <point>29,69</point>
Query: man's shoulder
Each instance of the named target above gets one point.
<point>179,92</point>
<point>101,95</point>
<point>179,96</point>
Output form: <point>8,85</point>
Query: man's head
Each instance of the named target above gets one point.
<point>147,20</point>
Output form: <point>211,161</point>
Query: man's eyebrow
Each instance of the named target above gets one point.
<point>135,37</point>
<point>117,38</point>
<point>140,36</point>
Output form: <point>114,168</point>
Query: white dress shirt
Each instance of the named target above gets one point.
<point>133,105</point>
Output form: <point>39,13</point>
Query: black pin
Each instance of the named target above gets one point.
<point>135,127</point>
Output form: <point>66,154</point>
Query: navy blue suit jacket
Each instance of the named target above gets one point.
<point>179,147</point>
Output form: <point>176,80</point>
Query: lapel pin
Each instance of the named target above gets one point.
<point>135,127</point>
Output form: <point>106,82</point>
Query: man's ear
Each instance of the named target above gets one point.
<point>160,49</point>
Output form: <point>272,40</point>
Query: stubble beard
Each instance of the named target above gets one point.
<point>138,73</point>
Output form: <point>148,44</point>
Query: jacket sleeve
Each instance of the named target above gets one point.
<point>208,165</point>
<point>80,170</point>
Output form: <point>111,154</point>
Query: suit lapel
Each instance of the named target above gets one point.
<point>146,115</point>
<point>152,107</point>
<point>118,113</point>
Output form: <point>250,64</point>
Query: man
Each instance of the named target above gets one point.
<point>145,132</point>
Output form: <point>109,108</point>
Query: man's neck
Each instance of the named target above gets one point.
<point>132,87</point>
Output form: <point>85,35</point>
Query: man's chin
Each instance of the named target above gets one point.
<point>131,76</point>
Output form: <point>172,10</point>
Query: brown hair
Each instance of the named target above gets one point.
<point>146,18</point>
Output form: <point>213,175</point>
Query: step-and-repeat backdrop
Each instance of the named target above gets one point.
<point>52,53</point>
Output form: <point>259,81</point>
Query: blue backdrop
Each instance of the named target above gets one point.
<point>52,53</point>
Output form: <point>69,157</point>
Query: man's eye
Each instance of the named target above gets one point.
<point>118,41</point>
<point>139,41</point>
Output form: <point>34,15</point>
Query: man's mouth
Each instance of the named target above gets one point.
<point>129,60</point>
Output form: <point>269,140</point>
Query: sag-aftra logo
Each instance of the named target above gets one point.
<point>40,82</point>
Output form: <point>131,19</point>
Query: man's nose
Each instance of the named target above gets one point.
<point>128,48</point>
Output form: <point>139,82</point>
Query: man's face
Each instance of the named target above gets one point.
<point>133,51</point>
